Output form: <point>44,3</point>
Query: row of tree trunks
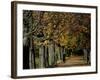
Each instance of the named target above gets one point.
<point>50,55</point>
<point>46,56</point>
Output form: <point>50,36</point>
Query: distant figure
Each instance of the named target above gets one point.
<point>64,57</point>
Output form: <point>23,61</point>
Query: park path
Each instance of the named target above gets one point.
<point>72,61</point>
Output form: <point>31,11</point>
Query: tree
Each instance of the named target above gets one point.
<point>56,29</point>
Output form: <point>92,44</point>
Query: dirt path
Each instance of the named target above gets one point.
<point>72,61</point>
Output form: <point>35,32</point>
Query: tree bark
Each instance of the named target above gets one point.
<point>46,56</point>
<point>41,56</point>
<point>61,53</point>
<point>85,54</point>
<point>51,54</point>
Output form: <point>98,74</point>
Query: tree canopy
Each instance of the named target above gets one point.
<point>70,30</point>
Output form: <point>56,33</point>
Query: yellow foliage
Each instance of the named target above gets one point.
<point>63,39</point>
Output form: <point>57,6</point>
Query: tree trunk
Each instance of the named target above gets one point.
<point>64,55</point>
<point>51,54</point>
<point>85,54</point>
<point>30,58</point>
<point>54,53</point>
<point>61,53</point>
<point>46,56</point>
<point>25,57</point>
<point>58,54</point>
<point>41,56</point>
<point>32,62</point>
<point>30,53</point>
